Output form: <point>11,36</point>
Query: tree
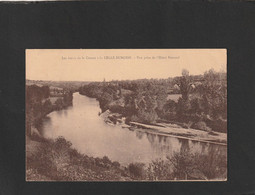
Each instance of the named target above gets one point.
<point>47,106</point>
<point>185,73</point>
<point>59,103</point>
<point>147,116</point>
<point>161,98</point>
<point>45,90</point>
<point>105,99</point>
<point>215,94</point>
<point>184,84</point>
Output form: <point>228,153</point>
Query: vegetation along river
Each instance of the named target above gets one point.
<point>86,130</point>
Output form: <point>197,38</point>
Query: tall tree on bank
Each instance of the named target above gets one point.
<point>185,84</point>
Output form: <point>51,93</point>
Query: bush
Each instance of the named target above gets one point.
<point>116,164</point>
<point>159,170</point>
<point>187,165</point>
<point>187,125</point>
<point>196,107</point>
<point>51,158</point>
<point>106,160</point>
<point>201,125</point>
<point>133,118</point>
<point>74,154</point>
<point>182,108</point>
<point>59,104</point>
<point>182,164</point>
<point>218,125</point>
<point>147,117</point>
<point>137,170</point>
<point>213,166</point>
<point>116,109</point>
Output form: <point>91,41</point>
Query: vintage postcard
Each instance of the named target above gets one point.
<point>126,115</point>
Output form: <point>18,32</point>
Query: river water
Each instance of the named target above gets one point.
<point>86,130</point>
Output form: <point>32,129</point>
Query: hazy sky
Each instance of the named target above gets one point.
<point>97,64</point>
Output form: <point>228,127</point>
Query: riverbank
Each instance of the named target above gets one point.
<point>42,100</point>
<point>167,129</point>
<point>56,160</point>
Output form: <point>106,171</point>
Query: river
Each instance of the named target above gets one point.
<point>86,130</point>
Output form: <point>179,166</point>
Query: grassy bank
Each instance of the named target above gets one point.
<point>56,160</point>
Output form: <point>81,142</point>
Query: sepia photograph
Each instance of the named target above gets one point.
<point>126,115</point>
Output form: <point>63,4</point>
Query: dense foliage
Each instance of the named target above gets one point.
<point>39,104</point>
<point>202,105</point>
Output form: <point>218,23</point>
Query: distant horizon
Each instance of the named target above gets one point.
<point>118,80</point>
<point>96,65</point>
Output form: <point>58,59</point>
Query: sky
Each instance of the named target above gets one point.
<point>120,64</point>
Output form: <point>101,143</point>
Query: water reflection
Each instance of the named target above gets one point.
<point>139,134</point>
<point>90,135</point>
<point>184,145</point>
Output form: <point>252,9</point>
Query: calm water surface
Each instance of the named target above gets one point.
<point>89,134</point>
